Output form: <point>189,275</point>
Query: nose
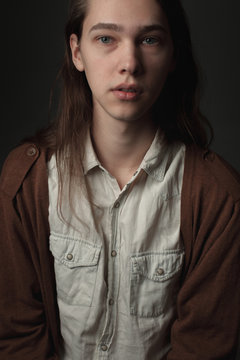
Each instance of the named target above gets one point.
<point>130,60</point>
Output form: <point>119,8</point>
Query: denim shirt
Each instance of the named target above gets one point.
<point>118,257</point>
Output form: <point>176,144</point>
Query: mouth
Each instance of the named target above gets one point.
<point>127,92</point>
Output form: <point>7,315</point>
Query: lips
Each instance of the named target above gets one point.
<point>127,92</point>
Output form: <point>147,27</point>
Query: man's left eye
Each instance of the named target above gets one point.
<point>150,41</point>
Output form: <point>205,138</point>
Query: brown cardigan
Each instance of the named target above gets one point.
<point>208,302</point>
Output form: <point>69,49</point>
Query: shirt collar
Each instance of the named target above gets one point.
<point>90,160</point>
<point>154,162</point>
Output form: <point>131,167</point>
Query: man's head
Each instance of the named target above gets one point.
<point>176,108</point>
<point>126,58</point>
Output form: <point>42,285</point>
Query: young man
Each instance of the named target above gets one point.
<point>119,205</point>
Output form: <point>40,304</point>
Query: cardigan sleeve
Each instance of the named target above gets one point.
<point>24,330</point>
<point>208,304</point>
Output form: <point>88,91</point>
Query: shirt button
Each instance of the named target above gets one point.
<point>31,151</point>
<point>69,257</point>
<point>160,271</point>
<point>111,302</point>
<point>104,347</point>
<point>114,253</point>
<point>117,204</point>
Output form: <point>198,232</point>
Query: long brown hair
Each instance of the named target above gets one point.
<point>176,111</point>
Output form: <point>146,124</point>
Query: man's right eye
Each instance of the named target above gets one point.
<point>105,39</point>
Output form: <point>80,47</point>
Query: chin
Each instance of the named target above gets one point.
<point>128,119</point>
<point>130,116</point>
<point>131,112</point>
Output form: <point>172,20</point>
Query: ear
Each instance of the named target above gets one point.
<point>76,53</point>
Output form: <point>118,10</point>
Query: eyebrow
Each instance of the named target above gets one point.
<point>119,28</point>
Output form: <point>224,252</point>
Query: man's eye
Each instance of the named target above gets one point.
<point>105,39</point>
<point>150,41</point>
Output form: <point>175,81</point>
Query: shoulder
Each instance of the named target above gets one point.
<point>206,170</point>
<point>26,160</point>
<point>210,206</point>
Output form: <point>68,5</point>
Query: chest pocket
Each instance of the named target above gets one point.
<point>76,265</point>
<point>154,282</point>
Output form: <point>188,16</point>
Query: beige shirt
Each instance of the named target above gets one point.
<point>118,262</point>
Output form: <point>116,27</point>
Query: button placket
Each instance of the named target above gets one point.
<point>104,347</point>
<point>113,282</point>
<point>113,253</point>
<point>117,205</point>
<point>111,302</point>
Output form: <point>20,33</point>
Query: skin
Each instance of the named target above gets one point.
<point>126,60</point>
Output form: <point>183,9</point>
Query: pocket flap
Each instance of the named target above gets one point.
<point>74,252</point>
<point>158,266</point>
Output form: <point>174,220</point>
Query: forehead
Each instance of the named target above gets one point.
<point>127,13</point>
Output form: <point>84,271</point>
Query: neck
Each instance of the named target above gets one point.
<point>121,146</point>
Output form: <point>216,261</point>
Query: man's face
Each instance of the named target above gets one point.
<point>126,52</point>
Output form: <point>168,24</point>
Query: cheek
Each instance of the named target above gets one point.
<point>98,73</point>
<point>95,77</point>
<point>159,71</point>
<point>157,79</point>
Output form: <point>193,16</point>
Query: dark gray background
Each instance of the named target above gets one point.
<point>31,52</point>
<point>32,49</point>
